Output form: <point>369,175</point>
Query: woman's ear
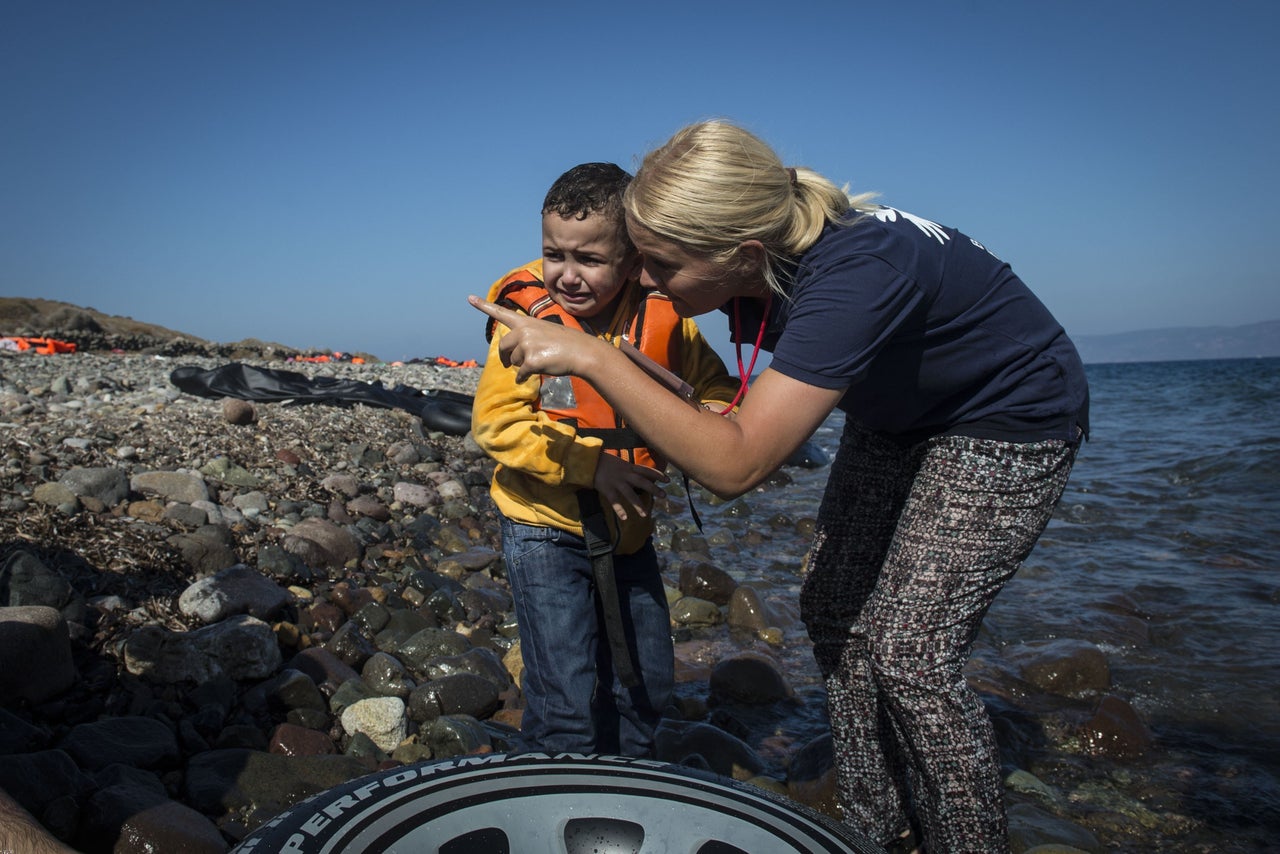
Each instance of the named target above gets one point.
<point>751,259</point>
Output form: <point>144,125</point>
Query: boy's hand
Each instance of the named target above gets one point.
<point>624,485</point>
<point>535,346</point>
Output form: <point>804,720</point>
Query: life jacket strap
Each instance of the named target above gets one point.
<point>599,548</point>
<point>613,438</point>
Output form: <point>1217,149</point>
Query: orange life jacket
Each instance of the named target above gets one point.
<point>653,327</point>
<point>47,346</point>
<point>446,362</point>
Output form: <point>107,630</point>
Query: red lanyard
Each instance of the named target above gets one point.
<point>744,374</point>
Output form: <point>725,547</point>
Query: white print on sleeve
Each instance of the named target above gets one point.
<point>887,214</point>
<point>983,248</point>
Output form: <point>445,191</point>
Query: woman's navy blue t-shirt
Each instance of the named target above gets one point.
<point>931,333</point>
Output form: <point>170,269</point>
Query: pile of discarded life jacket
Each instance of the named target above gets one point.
<point>446,362</point>
<point>48,346</point>
<point>335,357</point>
<point>440,362</point>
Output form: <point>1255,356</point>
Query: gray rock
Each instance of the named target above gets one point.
<point>1116,731</point>
<point>811,776</point>
<point>292,689</point>
<point>747,610</point>
<point>240,647</point>
<point>372,617</point>
<point>351,644</point>
<point>38,779</point>
<point>25,580</point>
<point>428,644</point>
<point>108,485</point>
<point>415,494</point>
<point>253,502</point>
<point>274,561</point>
<point>237,589</point>
<point>172,485</point>
<point>1031,826</point>
<point>144,822</point>
<point>220,514</point>
<point>750,679</point>
<point>187,515</point>
<point>459,693</point>
<point>1063,666</point>
<point>386,676</point>
<point>1026,783</point>
<point>723,753</point>
<point>692,611</point>
<point>231,473</point>
<point>207,550</point>
<point>348,694</point>
<point>402,625</point>
<point>119,774</point>
<point>480,661</point>
<point>319,542</point>
<point>370,506</point>
<point>471,560</point>
<point>132,740</point>
<point>35,654</point>
<point>238,412</point>
<point>403,454</point>
<point>451,490</point>
<point>455,735</point>
<point>706,581</point>
<point>219,781</point>
<point>382,719</point>
<point>343,484</point>
<point>55,495</point>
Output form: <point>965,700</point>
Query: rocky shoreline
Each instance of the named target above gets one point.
<point>211,609</point>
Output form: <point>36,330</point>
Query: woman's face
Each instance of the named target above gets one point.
<point>695,284</point>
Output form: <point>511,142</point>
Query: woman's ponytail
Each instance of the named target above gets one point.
<point>714,185</point>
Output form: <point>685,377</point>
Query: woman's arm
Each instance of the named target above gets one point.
<point>727,456</point>
<point>507,426</point>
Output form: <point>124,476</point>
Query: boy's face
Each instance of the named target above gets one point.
<point>585,263</point>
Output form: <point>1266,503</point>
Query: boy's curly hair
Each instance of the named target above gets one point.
<point>591,188</point>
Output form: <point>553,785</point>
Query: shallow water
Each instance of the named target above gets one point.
<point>1163,552</point>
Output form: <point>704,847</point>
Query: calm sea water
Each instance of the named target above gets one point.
<point>1164,552</point>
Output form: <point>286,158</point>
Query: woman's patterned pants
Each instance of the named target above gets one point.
<point>912,546</point>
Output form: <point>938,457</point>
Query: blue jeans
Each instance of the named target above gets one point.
<point>573,702</point>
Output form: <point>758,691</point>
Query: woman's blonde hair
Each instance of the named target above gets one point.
<point>714,185</point>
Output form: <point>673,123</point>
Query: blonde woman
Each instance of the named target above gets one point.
<point>965,403</point>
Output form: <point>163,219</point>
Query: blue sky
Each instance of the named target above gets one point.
<point>342,175</point>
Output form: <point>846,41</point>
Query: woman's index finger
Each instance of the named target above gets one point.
<point>505,316</point>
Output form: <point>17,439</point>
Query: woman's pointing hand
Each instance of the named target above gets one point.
<point>534,346</point>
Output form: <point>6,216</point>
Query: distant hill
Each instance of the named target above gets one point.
<point>31,316</point>
<point>1185,343</point>
<point>95,331</point>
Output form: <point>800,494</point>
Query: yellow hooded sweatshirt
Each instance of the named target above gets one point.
<point>542,462</point>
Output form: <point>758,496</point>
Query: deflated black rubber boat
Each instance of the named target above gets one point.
<point>536,803</point>
<point>440,410</point>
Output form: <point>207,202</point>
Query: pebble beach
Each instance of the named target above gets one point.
<point>211,609</point>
